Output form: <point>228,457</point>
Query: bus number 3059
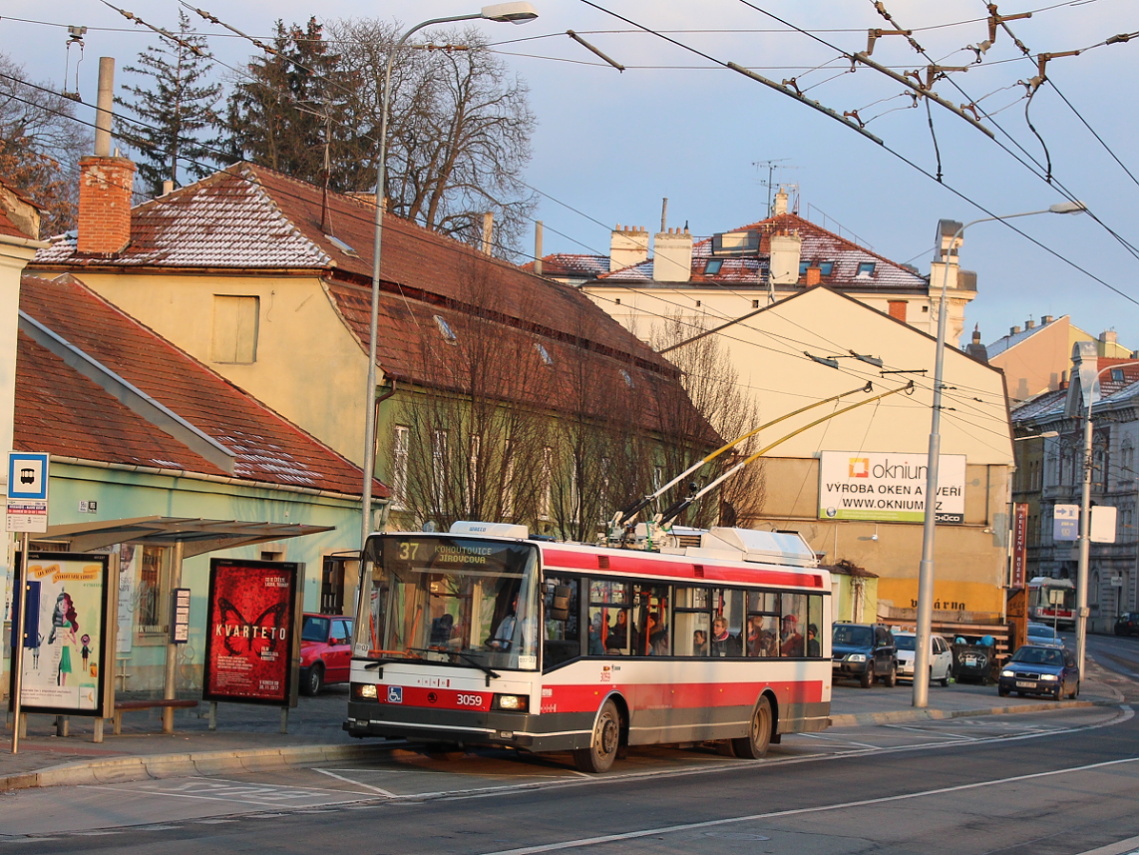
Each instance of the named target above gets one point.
<point>469,700</point>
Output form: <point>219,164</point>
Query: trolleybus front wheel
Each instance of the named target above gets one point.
<point>604,742</point>
<point>754,745</point>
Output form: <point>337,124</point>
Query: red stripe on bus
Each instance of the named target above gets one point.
<point>642,696</point>
<point>633,564</point>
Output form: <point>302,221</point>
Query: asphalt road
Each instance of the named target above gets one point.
<point>1049,782</point>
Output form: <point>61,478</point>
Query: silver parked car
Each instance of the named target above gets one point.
<point>940,657</point>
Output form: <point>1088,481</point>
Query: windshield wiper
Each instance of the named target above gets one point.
<point>466,657</point>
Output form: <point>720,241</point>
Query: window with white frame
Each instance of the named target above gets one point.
<point>399,468</point>
<point>439,466</point>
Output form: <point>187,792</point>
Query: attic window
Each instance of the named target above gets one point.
<point>342,246</point>
<point>1117,375</point>
<point>866,268</point>
<point>543,353</point>
<point>826,268</point>
<point>713,265</point>
<point>445,329</point>
<point>628,378</point>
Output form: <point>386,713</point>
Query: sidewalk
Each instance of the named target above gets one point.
<point>248,737</point>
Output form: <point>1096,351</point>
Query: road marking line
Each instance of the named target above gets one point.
<point>691,826</point>
<point>379,790</point>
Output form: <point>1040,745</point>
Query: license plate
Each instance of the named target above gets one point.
<point>1025,684</point>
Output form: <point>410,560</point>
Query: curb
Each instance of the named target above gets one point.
<point>899,716</point>
<point>135,767</point>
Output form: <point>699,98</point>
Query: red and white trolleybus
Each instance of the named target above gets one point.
<point>484,635</point>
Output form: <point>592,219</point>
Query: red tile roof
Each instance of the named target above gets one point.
<point>63,412</point>
<point>248,218</point>
<point>819,245</point>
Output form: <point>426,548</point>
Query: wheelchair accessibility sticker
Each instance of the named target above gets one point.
<point>395,694</point>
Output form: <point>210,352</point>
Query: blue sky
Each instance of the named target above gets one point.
<point>677,124</point>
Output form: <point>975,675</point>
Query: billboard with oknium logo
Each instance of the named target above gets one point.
<point>881,487</point>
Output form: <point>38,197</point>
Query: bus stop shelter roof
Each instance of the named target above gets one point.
<point>197,536</point>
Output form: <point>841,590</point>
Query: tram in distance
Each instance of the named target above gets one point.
<point>483,635</point>
<point>1052,601</point>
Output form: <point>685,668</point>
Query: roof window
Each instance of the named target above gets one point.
<point>1117,375</point>
<point>342,246</point>
<point>628,378</point>
<point>543,353</point>
<point>866,269</point>
<point>826,268</point>
<point>445,329</point>
<point>712,266</point>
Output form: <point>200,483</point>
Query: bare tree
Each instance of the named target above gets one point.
<point>459,129</point>
<point>40,146</point>
<point>713,386</point>
<point>539,429</point>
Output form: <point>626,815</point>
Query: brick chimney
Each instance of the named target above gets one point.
<point>814,275</point>
<point>105,204</point>
<point>105,181</point>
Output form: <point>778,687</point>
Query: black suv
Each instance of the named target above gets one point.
<point>863,652</point>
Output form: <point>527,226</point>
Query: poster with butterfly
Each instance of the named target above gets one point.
<point>251,631</point>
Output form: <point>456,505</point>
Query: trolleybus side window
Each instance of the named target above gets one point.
<point>652,626</point>
<point>691,621</point>
<point>562,607</point>
<point>609,607</point>
<point>793,626</point>
<point>762,638</point>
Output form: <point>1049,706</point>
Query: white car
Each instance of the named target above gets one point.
<point>940,658</point>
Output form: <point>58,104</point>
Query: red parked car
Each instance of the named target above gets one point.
<point>326,651</point>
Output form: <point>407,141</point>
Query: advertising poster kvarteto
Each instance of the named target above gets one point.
<point>250,631</point>
<point>64,628</point>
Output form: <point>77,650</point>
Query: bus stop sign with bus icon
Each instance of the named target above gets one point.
<point>27,491</point>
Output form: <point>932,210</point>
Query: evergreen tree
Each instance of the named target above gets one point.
<point>293,105</point>
<point>172,111</point>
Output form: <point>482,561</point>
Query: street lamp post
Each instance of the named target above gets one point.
<point>925,573</point>
<point>515,13</point>
<point>1091,379</point>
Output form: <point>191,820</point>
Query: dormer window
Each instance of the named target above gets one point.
<point>543,354</point>
<point>445,330</point>
<point>866,269</point>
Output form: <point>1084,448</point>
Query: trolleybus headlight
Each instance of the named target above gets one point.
<point>514,703</point>
<point>364,691</point>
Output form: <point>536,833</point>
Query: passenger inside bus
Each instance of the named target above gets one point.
<point>724,643</point>
<point>792,639</point>
<point>761,637</point>
<point>657,634</point>
<point>618,639</point>
<point>441,629</point>
<point>699,643</point>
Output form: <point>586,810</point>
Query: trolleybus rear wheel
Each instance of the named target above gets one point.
<point>754,745</point>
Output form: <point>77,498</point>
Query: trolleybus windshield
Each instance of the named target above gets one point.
<point>451,600</point>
